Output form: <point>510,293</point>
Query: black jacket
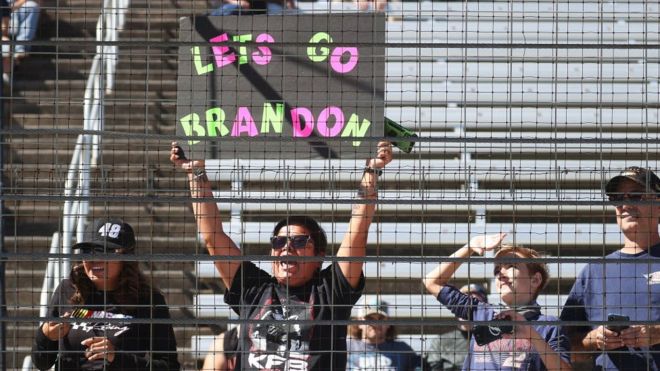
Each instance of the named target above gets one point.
<point>139,346</point>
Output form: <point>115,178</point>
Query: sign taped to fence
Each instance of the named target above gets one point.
<point>289,86</point>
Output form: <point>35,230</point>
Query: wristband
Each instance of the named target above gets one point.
<point>376,172</point>
<point>199,173</point>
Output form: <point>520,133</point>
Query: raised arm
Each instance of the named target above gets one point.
<point>354,243</point>
<point>207,215</point>
<point>439,277</point>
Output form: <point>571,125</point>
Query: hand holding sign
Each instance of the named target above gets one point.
<point>383,156</point>
<point>179,159</point>
<point>318,86</point>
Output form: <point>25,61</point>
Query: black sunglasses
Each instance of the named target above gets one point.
<point>620,197</point>
<point>297,242</point>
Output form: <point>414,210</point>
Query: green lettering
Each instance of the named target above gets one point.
<point>319,54</point>
<point>274,117</point>
<point>190,124</point>
<point>197,60</point>
<point>356,129</point>
<point>242,50</point>
<point>215,119</point>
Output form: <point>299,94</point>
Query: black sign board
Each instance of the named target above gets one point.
<point>281,86</point>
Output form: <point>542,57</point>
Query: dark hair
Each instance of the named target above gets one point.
<point>315,231</point>
<point>133,286</point>
<point>355,332</point>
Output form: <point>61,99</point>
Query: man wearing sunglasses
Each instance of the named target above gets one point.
<point>285,311</point>
<point>626,285</point>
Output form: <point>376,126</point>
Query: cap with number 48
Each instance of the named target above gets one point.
<point>107,235</point>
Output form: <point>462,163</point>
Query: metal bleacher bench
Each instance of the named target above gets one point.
<point>570,118</point>
<point>433,169</point>
<point>527,234</point>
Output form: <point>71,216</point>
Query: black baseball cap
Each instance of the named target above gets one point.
<point>105,235</point>
<point>639,175</point>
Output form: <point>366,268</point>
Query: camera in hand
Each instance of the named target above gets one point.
<point>617,318</point>
<point>485,334</point>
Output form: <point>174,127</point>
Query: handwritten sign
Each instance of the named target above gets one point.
<point>290,86</point>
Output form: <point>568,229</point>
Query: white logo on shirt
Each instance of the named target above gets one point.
<point>113,329</point>
<point>375,361</point>
<point>653,278</point>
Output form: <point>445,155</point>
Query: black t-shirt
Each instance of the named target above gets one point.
<point>139,346</point>
<point>282,341</point>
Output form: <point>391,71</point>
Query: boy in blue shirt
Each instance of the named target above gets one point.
<point>626,284</point>
<point>529,346</point>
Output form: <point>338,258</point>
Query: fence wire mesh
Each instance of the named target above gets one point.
<point>524,111</point>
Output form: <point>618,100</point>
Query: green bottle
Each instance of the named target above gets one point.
<point>394,131</point>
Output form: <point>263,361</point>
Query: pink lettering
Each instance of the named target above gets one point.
<point>244,123</point>
<point>223,56</point>
<point>263,55</point>
<point>322,122</point>
<point>308,122</point>
<point>336,63</point>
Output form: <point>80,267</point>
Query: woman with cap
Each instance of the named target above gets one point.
<point>101,300</point>
<point>372,345</point>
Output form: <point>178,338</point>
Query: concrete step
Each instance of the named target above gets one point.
<point>37,155</point>
<point>102,185</point>
<point>143,123</point>
<point>66,106</point>
<point>134,88</point>
<point>172,232</point>
<point>127,61</point>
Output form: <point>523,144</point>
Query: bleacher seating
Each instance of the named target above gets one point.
<point>519,134</point>
<point>518,139</point>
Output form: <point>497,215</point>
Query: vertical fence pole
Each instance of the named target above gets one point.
<point>3,302</point>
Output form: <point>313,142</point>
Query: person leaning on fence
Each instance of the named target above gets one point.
<point>448,351</point>
<point>298,293</point>
<point>97,289</point>
<point>526,346</point>
<point>373,346</point>
<point>627,283</point>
